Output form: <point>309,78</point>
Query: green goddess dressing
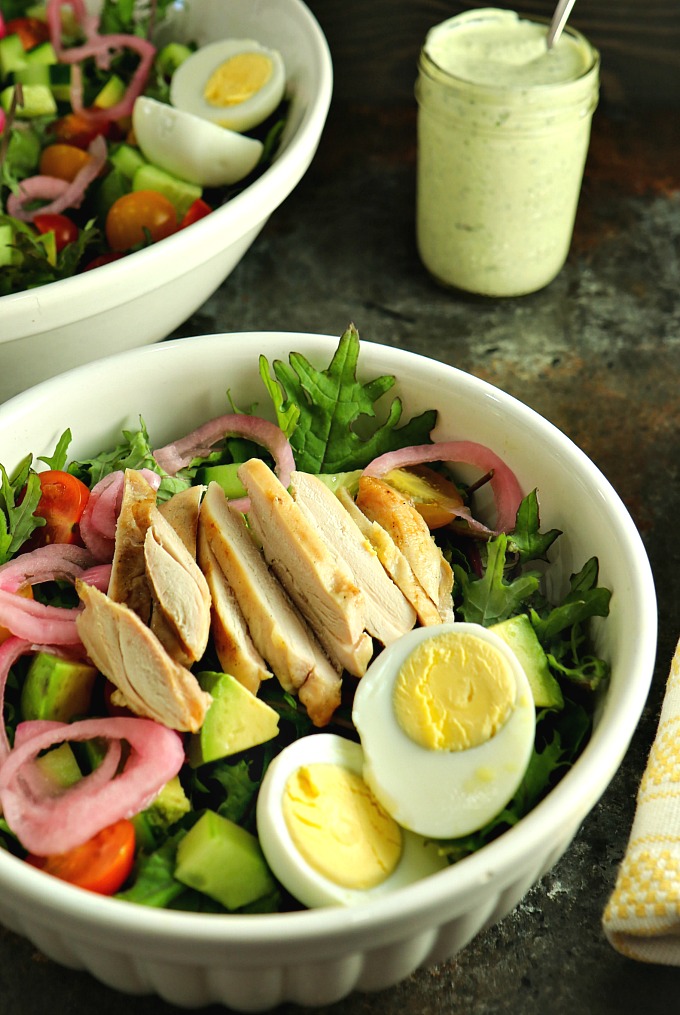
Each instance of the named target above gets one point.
<point>503,133</point>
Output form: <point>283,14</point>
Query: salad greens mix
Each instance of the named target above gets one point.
<point>335,425</point>
<point>51,123</point>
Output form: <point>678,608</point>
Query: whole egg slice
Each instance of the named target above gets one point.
<point>192,148</point>
<point>446,720</point>
<point>236,83</point>
<point>324,835</point>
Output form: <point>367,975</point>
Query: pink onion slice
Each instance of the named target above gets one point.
<point>198,443</point>
<point>59,194</point>
<point>506,489</point>
<point>47,823</point>
<point>44,564</point>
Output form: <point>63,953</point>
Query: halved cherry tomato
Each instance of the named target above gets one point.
<point>63,161</point>
<point>434,496</point>
<point>101,259</point>
<point>133,215</point>
<point>65,231</point>
<point>101,865</point>
<point>61,504</point>
<point>31,31</point>
<point>197,210</point>
<point>78,130</point>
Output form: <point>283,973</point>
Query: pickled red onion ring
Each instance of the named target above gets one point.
<point>98,522</point>
<point>47,822</point>
<point>506,489</point>
<point>46,563</point>
<point>198,443</point>
<point>58,193</point>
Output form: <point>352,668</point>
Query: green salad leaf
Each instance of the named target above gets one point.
<point>333,431</point>
<point>19,497</point>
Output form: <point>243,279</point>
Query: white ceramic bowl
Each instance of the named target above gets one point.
<point>143,297</point>
<point>317,957</point>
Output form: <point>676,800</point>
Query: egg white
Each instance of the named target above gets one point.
<point>307,885</point>
<point>192,148</point>
<point>437,793</point>
<point>191,77</point>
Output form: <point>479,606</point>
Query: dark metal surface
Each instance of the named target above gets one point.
<point>597,353</point>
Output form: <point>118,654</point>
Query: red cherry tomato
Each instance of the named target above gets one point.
<point>101,865</point>
<point>101,259</point>
<point>65,231</point>
<point>61,504</point>
<point>31,31</point>
<point>197,210</point>
<point>137,214</point>
<point>78,130</point>
<point>63,161</point>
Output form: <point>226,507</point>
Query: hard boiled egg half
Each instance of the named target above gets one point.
<point>446,720</point>
<point>324,836</point>
<point>192,148</point>
<point>236,83</point>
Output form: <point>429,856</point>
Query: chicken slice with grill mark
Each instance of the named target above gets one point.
<point>181,597</point>
<point>233,644</point>
<point>182,510</point>
<point>407,527</point>
<point>278,631</point>
<point>389,614</point>
<point>321,586</point>
<point>128,583</point>
<point>393,560</point>
<point>127,652</point>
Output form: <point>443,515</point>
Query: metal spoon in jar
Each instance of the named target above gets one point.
<point>559,20</point>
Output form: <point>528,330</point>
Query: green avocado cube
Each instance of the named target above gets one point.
<point>236,720</point>
<point>56,688</point>
<point>224,861</point>
<point>518,633</point>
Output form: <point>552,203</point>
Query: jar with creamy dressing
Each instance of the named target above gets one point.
<point>503,133</point>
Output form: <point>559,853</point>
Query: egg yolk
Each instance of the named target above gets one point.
<point>238,79</point>
<point>339,827</point>
<point>453,692</point>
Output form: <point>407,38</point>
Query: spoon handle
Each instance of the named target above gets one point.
<point>559,20</point>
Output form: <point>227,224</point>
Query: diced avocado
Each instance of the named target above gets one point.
<point>9,255</point>
<point>225,476</point>
<point>127,159</point>
<point>60,766</point>
<point>32,74</point>
<point>235,721</point>
<point>518,633</point>
<point>165,810</point>
<point>224,861</point>
<point>112,92</point>
<point>12,55</point>
<point>179,192</point>
<point>38,100</point>
<point>56,688</point>
<point>170,57</point>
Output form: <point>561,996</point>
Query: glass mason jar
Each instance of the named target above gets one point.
<point>501,155</point>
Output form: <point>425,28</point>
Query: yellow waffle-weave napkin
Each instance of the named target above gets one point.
<point>642,917</point>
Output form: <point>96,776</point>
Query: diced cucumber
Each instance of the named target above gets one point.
<point>111,187</point>
<point>12,55</point>
<point>224,861</point>
<point>38,101</point>
<point>42,53</point>
<point>32,74</point>
<point>181,193</point>
<point>112,92</point>
<point>170,57</point>
<point>8,254</point>
<point>127,159</point>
